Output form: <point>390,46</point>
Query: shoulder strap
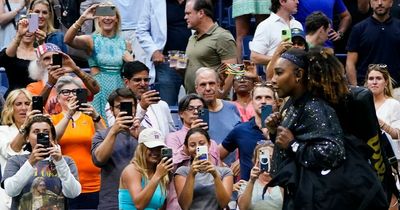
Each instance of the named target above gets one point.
<point>9,9</point>
<point>57,10</point>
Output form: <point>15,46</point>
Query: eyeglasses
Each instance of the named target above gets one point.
<point>138,79</point>
<point>66,92</point>
<point>192,108</point>
<point>380,66</point>
<point>242,78</point>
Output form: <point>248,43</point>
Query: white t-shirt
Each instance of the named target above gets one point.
<point>268,34</point>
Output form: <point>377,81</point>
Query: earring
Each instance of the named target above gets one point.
<point>297,80</point>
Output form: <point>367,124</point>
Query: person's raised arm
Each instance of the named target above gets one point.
<point>12,47</point>
<point>63,124</point>
<point>244,200</point>
<point>83,42</point>
<point>184,185</point>
<point>7,16</point>
<point>351,70</point>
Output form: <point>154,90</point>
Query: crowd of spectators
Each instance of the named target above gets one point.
<point>151,105</point>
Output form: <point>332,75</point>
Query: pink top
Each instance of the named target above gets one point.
<point>245,112</point>
<point>175,141</point>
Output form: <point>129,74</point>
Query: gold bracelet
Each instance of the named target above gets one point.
<point>74,26</point>
<point>79,25</point>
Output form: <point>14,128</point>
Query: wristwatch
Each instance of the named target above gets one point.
<point>97,119</point>
<point>341,34</point>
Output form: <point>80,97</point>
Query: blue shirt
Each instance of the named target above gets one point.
<point>244,136</point>
<point>222,122</point>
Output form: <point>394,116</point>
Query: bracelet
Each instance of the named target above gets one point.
<point>79,25</point>
<point>49,85</point>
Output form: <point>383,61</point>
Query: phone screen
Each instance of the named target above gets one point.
<point>33,19</point>
<point>105,11</point>
<point>57,59</point>
<point>126,107</point>
<point>37,103</point>
<point>155,87</point>
<point>266,110</point>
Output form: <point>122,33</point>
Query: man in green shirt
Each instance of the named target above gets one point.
<point>209,46</point>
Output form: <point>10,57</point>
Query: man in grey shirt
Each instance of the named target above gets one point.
<point>113,148</point>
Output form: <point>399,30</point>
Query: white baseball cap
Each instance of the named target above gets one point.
<point>151,138</point>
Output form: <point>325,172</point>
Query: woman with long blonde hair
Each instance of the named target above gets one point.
<point>144,182</point>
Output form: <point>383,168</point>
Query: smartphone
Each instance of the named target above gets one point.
<point>204,114</point>
<point>286,35</point>
<point>105,11</point>
<point>126,107</point>
<point>155,87</point>
<point>81,96</point>
<point>166,152</point>
<point>202,152</point>
<point>57,59</point>
<point>264,160</point>
<point>43,139</point>
<point>37,103</point>
<point>266,110</point>
<point>33,19</point>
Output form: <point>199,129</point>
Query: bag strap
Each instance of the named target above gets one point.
<point>57,11</point>
<point>13,20</point>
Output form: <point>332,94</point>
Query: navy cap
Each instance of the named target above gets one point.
<point>298,32</point>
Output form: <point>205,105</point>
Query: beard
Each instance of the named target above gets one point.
<point>37,72</point>
<point>382,12</point>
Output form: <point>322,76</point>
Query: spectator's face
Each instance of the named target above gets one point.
<point>41,187</point>
<point>117,102</point>
<point>376,83</point>
<point>38,127</point>
<point>195,140</point>
<point>139,83</point>
<point>66,94</point>
<point>207,86</point>
<point>299,43</point>
<point>262,96</point>
<point>46,60</point>
<point>191,113</point>
<point>153,155</point>
<point>192,16</point>
<point>381,7</point>
<point>291,6</point>
<point>44,14</point>
<point>108,23</point>
<point>20,106</point>
<point>324,34</point>
<point>243,84</point>
<point>284,79</point>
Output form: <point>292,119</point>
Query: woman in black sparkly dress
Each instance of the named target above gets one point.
<point>311,161</point>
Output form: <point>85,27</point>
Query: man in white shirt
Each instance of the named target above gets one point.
<point>268,34</point>
<point>153,112</point>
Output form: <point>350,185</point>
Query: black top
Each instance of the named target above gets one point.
<point>177,32</point>
<point>16,70</point>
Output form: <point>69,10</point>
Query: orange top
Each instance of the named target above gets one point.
<point>76,143</point>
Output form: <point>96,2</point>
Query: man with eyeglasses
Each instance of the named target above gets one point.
<point>246,135</point>
<point>153,111</point>
<point>223,115</point>
<point>114,147</point>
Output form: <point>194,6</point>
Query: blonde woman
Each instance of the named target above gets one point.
<point>144,182</point>
<point>46,24</point>
<point>106,49</point>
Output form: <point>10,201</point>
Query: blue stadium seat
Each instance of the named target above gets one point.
<point>176,117</point>
<point>245,47</point>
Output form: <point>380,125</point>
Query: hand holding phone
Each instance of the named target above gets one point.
<point>266,110</point>
<point>33,19</point>
<point>155,87</point>
<point>286,35</point>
